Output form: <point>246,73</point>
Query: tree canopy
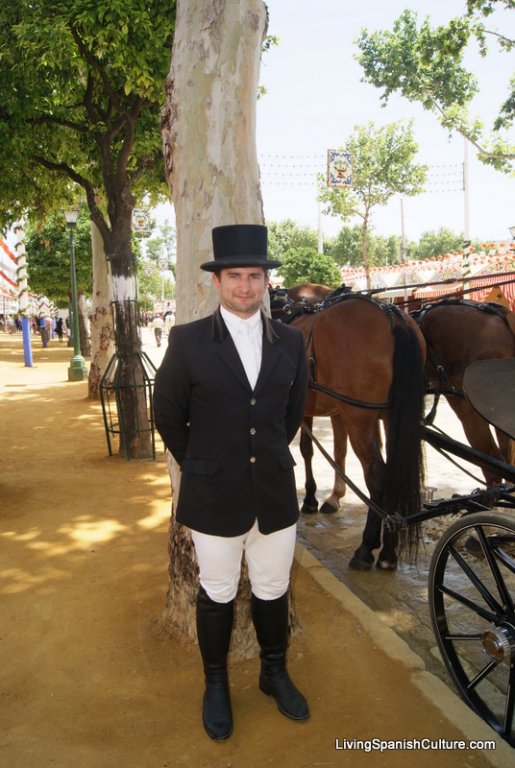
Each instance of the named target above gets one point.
<point>383,165</point>
<point>49,265</point>
<point>346,248</point>
<point>305,265</point>
<point>286,235</point>
<point>82,88</point>
<point>429,65</point>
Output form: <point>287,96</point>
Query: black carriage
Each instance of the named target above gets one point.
<point>472,572</point>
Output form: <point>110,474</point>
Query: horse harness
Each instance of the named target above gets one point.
<point>337,296</point>
<point>448,388</point>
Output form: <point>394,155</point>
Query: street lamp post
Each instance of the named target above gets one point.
<point>77,370</point>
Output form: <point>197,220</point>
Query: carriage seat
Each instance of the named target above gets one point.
<point>489,385</point>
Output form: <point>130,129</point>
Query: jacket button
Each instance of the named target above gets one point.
<point>253,431</point>
<point>253,401</point>
<point>252,459</point>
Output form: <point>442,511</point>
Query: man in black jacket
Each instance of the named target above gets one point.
<point>229,398</point>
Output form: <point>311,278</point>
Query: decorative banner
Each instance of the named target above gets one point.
<point>141,222</point>
<point>339,168</point>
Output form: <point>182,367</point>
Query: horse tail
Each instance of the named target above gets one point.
<point>404,458</point>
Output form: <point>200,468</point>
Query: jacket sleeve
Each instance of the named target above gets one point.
<point>172,391</point>
<point>298,391</point>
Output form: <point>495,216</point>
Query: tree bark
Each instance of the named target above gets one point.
<point>102,331</point>
<point>209,135</point>
<point>85,342</point>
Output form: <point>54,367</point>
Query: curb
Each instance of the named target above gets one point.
<point>450,705</point>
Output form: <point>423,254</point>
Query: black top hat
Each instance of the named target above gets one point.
<point>239,245</point>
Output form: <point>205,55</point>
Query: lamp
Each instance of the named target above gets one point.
<point>77,370</point>
<point>72,216</point>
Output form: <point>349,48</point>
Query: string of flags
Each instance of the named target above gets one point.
<point>302,170</point>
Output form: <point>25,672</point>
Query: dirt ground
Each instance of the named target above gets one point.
<point>89,676</point>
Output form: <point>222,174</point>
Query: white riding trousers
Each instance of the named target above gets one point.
<point>269,559</point>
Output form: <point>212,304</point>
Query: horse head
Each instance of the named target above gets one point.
<point>280,303</point>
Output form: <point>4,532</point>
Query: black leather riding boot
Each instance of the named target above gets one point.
<point>214,626</point>
<point>270,619</point>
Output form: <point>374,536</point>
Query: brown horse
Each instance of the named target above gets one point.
<point>294,301</point>
<point>305,294</point>
<point>458,333</point>
<point>310,293</point>
<point>366,361</point>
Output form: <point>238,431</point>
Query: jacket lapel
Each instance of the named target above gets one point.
<point>270,354</point>
<point>269,359</point>
<point>227,351</point>
<point>229,354</point>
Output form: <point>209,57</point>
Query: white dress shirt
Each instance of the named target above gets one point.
<point>248,338</point>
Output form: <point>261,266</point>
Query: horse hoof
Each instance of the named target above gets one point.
<point>385,565</point>
<point>328,509</point>
<point>309,510</point>
<point>361,561</point>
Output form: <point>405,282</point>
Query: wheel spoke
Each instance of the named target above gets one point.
<point>456,637</point>
<point>477,582</point>
<point>501,586</point>
<point>510,704</point>
<point>474,593</point>
<point>482,674</point>
<point>504,558</point>
<point>491,617</point>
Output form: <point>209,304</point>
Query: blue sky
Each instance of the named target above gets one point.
<point>315,98</point>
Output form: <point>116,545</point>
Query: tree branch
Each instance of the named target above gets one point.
<point>52,120</point>
<point>128,142</point>
<point>461,129</point>
<point>95,65</point>
<point>508,41</point>
<point>143,165</point>
<point>95,212</point>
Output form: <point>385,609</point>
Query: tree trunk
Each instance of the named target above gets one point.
<point>364,250</point>
<point>102,331</point>
<point>85,341</point>
<point>130,373</point>
<point>209,133</point>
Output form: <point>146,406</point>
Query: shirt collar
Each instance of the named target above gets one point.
<point>233,322</point>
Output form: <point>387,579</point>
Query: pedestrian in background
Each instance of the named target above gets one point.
<point>157,325</point>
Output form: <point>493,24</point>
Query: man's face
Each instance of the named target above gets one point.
<point>241,289</point>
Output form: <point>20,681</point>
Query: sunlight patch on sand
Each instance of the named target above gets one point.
<point>160,514</point>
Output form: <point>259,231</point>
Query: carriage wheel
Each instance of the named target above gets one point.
<point>471,600</point>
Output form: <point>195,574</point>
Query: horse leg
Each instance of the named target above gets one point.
<point>506,446</point>
<point>366,448</point>
<point>387,558</point>
<point>332,503</point>
<point>478,434</point>
<point>363,557</point>
<point>310,503</point>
